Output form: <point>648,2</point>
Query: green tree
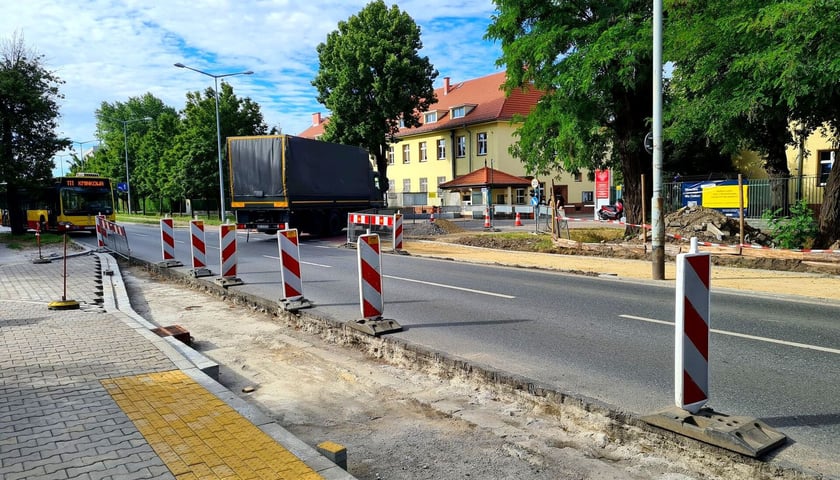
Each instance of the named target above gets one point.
<point>121,127</point>
<point>747,70</point>
<point>29,95</point>
<point>154,170</point>
<point>371,77</point>
<point>593,59</point>
<point>195,153</point>
<point>721,86</point>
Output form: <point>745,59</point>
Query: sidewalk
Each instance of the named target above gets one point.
<point>93,393</point>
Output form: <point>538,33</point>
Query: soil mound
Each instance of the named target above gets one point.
<point>709,225</point>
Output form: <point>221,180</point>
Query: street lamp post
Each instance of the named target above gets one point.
<point>125,136</point>
<point>218,130</point>
<point>81,152</point>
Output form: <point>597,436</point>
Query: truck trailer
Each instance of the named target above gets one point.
<point>308,184</point>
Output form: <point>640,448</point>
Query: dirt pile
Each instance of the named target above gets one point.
<point>709,225</point>
<point>430,229</point>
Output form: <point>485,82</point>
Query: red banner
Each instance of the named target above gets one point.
<point>602,184</point>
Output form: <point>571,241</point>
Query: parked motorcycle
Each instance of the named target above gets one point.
<point>612,212</point>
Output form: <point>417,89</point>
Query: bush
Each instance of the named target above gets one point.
<point>796,231</point>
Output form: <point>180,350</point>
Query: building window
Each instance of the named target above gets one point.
<point>430,117</point>
<point>459,112</point>
<point>587,197</point>
<point>392,185</point>
<point>578,177</point>
<point>481,143</point>
<point>520,196</point>
<point>461,149</point>
<point>390,155</point>
<point>826,162</point>
<point>402,123</point>
<point>441,148</point>
<point>406,185</point>
<point>406,153</point>
<point>424,184</point>
<point>423,153</point>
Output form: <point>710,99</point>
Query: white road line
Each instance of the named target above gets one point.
<point>304,263</point>
<point>744,335</point>
<point>480,292</point>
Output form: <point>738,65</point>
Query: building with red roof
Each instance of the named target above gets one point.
<point>469,130</point>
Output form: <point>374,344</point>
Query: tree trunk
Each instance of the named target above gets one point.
<point>776,165</point>
<point>382,167</point>
<point>830,211</point>
<point>17,217</point>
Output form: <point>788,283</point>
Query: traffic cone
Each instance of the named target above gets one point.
<point>486,218</point>
<point>432,218</point>
<point>518,222</point>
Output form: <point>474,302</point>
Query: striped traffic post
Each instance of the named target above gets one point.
<point>370,277</point>
<point>690,416</point>
<point>287,242</point>
<point>167,243</point>
<point>691,369</point>
<point>398,231</point>
<point>227,256</point>
<point>199,249</point>
<point>100,232</point>
<point>370,288</point>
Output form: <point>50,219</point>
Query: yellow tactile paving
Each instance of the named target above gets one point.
<point>199,436</point>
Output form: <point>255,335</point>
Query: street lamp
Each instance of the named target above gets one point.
<point>82,152</point>
<point>218,129</point>
<point>125,136</point>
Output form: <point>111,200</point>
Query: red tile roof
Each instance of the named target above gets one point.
<point>484,93</point>
<point>483,177</point>
<point>488,96</point>
<point>316,129</point>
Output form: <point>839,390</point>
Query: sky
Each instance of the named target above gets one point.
<point>112,50</point>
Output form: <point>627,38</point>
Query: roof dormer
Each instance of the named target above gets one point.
<point>460,111</point>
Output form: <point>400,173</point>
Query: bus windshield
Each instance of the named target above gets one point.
<point>86,201</point>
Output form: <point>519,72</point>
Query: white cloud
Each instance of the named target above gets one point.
<point>112,50</point>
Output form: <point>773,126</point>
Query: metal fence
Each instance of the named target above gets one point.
<point>762,194</point>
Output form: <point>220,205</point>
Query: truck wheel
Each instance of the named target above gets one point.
<point>335,225</point>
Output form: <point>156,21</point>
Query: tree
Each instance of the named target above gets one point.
<point>29,114</point>
<point>746,70</point>
<point>721,85</point>
<point>143,152</point>
<point>195,152</point>
<point>593,59</point>
<point>371,77</point>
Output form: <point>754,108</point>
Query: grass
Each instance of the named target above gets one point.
<point>154,219</point>
<point>29,240</point>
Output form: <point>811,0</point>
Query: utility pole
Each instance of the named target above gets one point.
<point>657,219</point>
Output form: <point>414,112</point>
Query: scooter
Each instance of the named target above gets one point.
<point>612,212</point>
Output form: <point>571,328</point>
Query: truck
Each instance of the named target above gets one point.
<point>308,184</point>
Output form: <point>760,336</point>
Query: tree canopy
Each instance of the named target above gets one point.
<point>758,75</point>
<point>29,95</point>
<point>371,77</point>
<point>594,61</point>
<point>172,155</point>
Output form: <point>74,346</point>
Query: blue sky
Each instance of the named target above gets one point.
<point>111,50</point>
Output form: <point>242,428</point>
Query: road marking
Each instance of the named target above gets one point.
<point>744,335</point>
<point>305,263</point>
<point>452,287</point>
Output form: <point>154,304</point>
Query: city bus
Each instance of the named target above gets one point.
<point>68,204</point>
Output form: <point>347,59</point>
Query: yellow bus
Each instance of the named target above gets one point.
<point>68,204</point>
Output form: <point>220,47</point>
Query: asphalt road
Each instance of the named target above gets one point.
<point>607,339</point>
